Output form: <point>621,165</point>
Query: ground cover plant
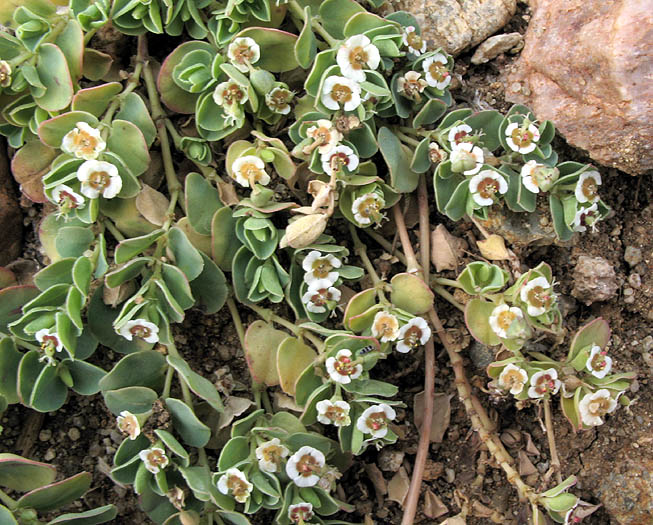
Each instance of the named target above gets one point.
<point>288,133</point>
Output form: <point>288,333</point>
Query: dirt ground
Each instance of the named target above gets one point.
<point>82,435</point>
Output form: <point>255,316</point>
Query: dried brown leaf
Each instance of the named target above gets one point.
<point>398,486</point>
<point>233,407</point>
<point>227,193</point>
<point>283,401</point>
<point>114,296</point>
<point>433,506</point>
<point>152,204</point>
<point>494,248</point>
<point>445,249</point>
<point>441,414</point>
<point>530,446</point>
<point>526,468</point>
<point>456,520</point>
<point>376,477</point>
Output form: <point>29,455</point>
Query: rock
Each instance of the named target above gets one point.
<point>632,255</point>
<point>390,460</point>
<point>521,229</point>
<point>455,25</point>
<point>594,280</point>
<point>495,45</point>
<point>481,355</point>
<point>626,489</point>
<point>586,66</point>
<point>11,218</point>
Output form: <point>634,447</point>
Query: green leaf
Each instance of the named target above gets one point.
<point>261,343</point>
<point>28,166</point>
<point>307,382</point>
<point>430,112</point>
<point>28,372</point>
<point>126,272</point>
<point>96,64</point>
<point>86,377</point>
<point>95,100</point>
<point>9,363</point>
<point>71,42</point>
<point>235,451</point>
<point>133,109</point>
<point>90,517</point>
<point>277,48</point>
<point>210,288</point>
<point>306,45</point>
<point>172,444</point>
<point>596,332</point>
<point>146,368</point>
<point>477,318</point>
<point>128,142</point>
<point>293,356</point>
<point>358,304</point>
<point>186,256</point>
<point>202,201</point>
<point>334,15</point>
<point>52,131</point>
<point>402,178</point>
<point>67,332</point>
<point>82,274</point>
<point>371,387</point>
<point>21,474</point>
<point>410,293</point>
<point>59,272</point>
<point>200,386</point>
<point>134,399</point>
<point>177,283</point>
<point>224,243</point>
<point>53,71</point>
<point>192,431</point>
<point>132,247</point>
<point>309,416</point>
<point>49,392</point>
<point>73,241</point>
<point>58,494</point>
<point>7,517</point>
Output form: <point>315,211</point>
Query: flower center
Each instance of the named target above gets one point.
<point>85,142</point>
<point>279,99</point>
<point>505,319</point>
<point>589,188</point>
<point>539,297</point>
<point>358,57</point>
<point>307,465</point>
<point>414,40</point>
<point>67,199</point>
<point>369,208</point>
<point>272,453</point>
<point>156,458</point>
<point>338,161</point>
<point>243,54</point>
<point>599,362</point>
<point>321,268</point>
<point>522,137</point>
<point>140,331</point>
<point>128,425</point>
<point>544,384</point>
<point>412,336</point>
<point>98,180</point>
<point>488,187</point>
<point>49,342</point>
<point>385,327</point>
<point>303,513</point>
<point>439,72</point>
<point>376,421</point>
<point>233,94</point>
<point>335,414</point>
<point>599,407</point>
<point>344,366</point>
<point>321,297</point>
<point>513,378</point>
<point>237,486</point>
<point>251,171</point>
<point>341,93</point>
<point>459,136</point>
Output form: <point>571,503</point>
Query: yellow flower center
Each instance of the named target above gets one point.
<point>513,378</point>
<point>599,407</point>
<point>251,171</point>
<point>438,71</point>
<point>369,208</point>
<point>599,362</point>
<point>505,319</point>
<point>321,268</point>
<point>589,188</point>
<point>341,93</point>
<point>539,297</point>
<point>522,137</point>
<point>358,57</point>
<point>272,453</point>
<point>98,180</point>
<point>414,40</point>
<point>306,465</point>
<point>128,425</point>
<point>84,142</point>
<point>488,187</point>
<point>156,458</point>
<point>238,487</point>
<point>386,326</point>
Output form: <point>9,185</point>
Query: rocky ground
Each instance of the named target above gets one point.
<point>613,462</point>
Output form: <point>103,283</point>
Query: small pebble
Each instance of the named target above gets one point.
<point>74,434</point>
<point>50,455</point>
<point>45,435</point>
<point>635,280</point>
<point>632,255</point>
<point>450,475</point>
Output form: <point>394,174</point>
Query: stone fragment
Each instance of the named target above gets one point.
<point>594,280</point>
<point>521,229</point>
<point>586,65</point>
<point>626,488</point>
<point>390,460</point>
<point>632,255</point>
<point>495,45</point>
<point>455,25</point>
<point>11,218</point>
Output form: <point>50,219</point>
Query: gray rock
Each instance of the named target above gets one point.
<point>594,280</point>
<point>521,229</point>
<point>455,25</point>
<point>495,45</point>
<point>632,255</point>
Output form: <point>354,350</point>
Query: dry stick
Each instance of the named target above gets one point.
<point>555,460</point>
<point>412,498</point>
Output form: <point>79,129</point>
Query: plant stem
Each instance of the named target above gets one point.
<point>446,282</point>
<point>168,382</point>
<point>361,251</point>
<point>555,460</point>
<point>109,225</point>
<point>10,503</point>
<point>386,245</point>
<point>447,296</point>
<point>411,261</point>
<point>132,84</point>
<point>25,344</point>
<point>406,139</point>
<point>297,10</point>
<point>238,323</point>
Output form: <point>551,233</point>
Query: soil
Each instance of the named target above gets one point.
<point>82,435</point>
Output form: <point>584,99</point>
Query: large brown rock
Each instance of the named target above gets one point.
<point>587,66</point>
<point>11,219</point>
<point>455,25</point>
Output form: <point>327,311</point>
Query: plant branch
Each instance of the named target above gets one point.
<point>10,503</point>
<point>386,245</point>
<point>411,260</point>
<point>550,435</point>
<point>442,292</point>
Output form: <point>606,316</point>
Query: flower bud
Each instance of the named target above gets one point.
<point>462,160</point>
<point>263,81</point>
<point>304,231</point>
<point>196,149</point>
<point>5,73</point>
<point>545,177</point>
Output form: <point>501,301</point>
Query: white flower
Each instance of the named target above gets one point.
<point>145,330</point>
<point>538,295</point>
<point>436,154</point>
<point>355,55</point>
<point>513,378</point>
<point>366,209</point>
<point>527,176</point>
<point>485,186</point>
<point>270,455</point>
<point>599,363</point>
<point>594,406</point>
<point>249,169</point>
<point>49,339</point>
<point>278,100</point>
<point>338,158</point>
<point>458,134</point>
<point>411,85</point>
<point>522,139</point>
<point>385,327</point>
<point>84,142</point>
<point>544,382</point>
<point>318,266</point>
<point>243,51</point>
<point>304,465</point>
<point>333,413</point>
<point>587,187</point>
<point>154,458</point>
<point>436,72</point>
<point>342,369</point>
<point>128,423</point>
<point>374,420</point>
<point>414,42</point>
<point>586,217</point>
<point>502,317</point>
<point>66,198</point>
<point>324,135</point>
<point>300,511</point>
<point>5,74</point>
<point>414,333</point>
<point>234,481</point>
<point>99,178</point>
<point>318,296</point>
<point>341,93</point>
<point>467,158</point>
<point>230,95</point>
